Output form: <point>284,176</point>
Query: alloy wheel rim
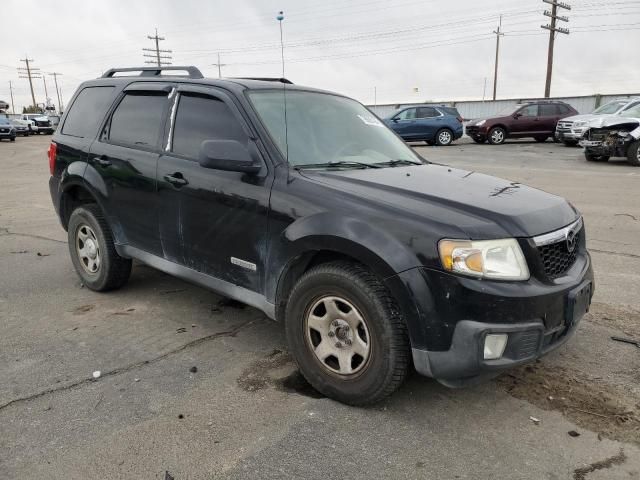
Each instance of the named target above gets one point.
<point>338,335</point>
<point>445,137</point>
<point>497,136</point>
<point>88,249</point>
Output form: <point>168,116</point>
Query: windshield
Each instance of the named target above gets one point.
<point>609,108</point>
<point>4,121</point>
<point>633,112</point>
<point>507,111</point>
<point>323,128</point>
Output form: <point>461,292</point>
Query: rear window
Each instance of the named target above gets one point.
<point>87,111</point>
<point>138,118</point>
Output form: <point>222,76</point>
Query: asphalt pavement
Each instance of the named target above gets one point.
<point>243,412</point>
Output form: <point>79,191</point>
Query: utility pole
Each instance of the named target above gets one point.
<point>160,60</point>
<point>484,89</point>
<point>46,92</point>
<point>55,80</point>
<point>499,34</point>
<point>13,108</point>
<point>219,65</point>
<point>552,36</point>
<point>29,72</point>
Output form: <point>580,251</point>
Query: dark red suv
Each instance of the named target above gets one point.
<point>530,119</point>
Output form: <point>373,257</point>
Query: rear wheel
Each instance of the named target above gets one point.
<point>592,157</point>
<point>540,138</point>
<point>444,137</point>
<point>633,154</point>
<point>346,333</point>
<point>497,136</point>
<point>13,139</point>
<point>92,250</point>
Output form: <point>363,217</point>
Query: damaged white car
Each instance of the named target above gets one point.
<point>615,136</point>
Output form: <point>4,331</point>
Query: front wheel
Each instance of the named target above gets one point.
<point>497,136</point>
<point>444,137</point>
<point>633,154</point>
<point>346,333</point>
<point>93,252</point>
<point>592,157</point>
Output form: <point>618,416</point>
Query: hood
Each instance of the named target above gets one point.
<point>612,121</point>
<point>585,117</point>
<point>482,206</point>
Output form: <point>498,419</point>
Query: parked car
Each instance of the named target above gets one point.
<point>31,125</point>
<point>7,130</point>
<point>317,214</point>
<point>22,127</point>
<point>614,136</point>
<point>535,119</point>
<point>435,125</point>
<point>42,124</point>
<point>55,121</point>
<point>570,130</point>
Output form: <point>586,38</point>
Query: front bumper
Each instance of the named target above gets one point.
<point>474,131</point>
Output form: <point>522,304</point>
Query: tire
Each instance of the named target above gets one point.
<point>497,136</point>
<point>570,143</point>
<point>479,140</point>
<point>429,142</point>
<point>372,324</point>
<point>13,139</point>
<point>444,137</point>
<point>112,271</point>
<point>591,157</point>
<point>633,154</point>
<point>540,139</point>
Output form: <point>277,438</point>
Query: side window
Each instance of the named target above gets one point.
<point>529,111</point>
<point>138,118</point>
<point>201,118</point>
<point>631,106</point>
<point>548,110</point>
<point>408,114</point>
<point>563,109</point>
<point>87,111</point>
<point>427,112</point>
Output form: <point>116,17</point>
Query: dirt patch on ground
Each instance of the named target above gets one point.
<point>625,319</point>
<point>263,373</point>
<point>581,473</point>
<point>591,404</point>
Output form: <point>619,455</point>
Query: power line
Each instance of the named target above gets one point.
<point>160,60</point>
<point>553,14</point>
<point>30,73</point>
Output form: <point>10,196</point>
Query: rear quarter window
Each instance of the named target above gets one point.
<point>450,111</point>
<point>87,111</point>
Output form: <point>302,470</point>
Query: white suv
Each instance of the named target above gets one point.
<point>570,130</point>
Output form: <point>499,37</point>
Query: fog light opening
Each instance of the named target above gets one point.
<point>494,345</point>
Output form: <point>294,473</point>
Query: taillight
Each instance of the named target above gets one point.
<point>52,156</point>
<point>460,119</point>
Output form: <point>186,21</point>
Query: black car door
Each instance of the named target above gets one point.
<point>212,221</point>
<point>126,157</point>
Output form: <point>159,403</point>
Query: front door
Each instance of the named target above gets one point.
<point>126,157</point>
<point>404,122</point>
<point>212,221</point>
<point>526,122</point>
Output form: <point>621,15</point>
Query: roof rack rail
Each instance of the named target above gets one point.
<point>267,79</point>
<point>192,72</point>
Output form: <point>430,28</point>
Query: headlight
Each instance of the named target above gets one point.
<point>492,259</point>
<point>579,124</point>
<point>480,123</point>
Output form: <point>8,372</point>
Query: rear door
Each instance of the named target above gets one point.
<point>126,157</point>
<point>213,221</point>
<point>549,115</point>
<point>428,122</point>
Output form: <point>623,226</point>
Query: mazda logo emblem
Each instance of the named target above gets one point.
<point>571,241</point>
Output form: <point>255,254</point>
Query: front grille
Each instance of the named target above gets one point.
<point>557,258</point>
<point>564,126</point>
<point>527,345</point>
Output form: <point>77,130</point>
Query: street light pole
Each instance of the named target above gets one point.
<point>280,18</point>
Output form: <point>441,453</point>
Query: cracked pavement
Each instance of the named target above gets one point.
<point>246,414</point>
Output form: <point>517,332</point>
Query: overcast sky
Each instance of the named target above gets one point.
<point>445,50</point>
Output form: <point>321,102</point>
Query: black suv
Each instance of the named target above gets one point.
<point>304,205</point>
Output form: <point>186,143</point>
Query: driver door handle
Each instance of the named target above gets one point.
<point>102,161</point>
<point>176,179</point>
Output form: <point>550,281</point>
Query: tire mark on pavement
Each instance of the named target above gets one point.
<point>229,333</point>
<point>581,473</point>
<point>609,252</point>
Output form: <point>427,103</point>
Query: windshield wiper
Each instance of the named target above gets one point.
<point>342,163</point>
<point>401,161</point>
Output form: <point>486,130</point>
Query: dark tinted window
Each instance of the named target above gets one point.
<point>87,111</point>
<point>548,110</point>
<point>450,111</point>
<point>203,118</point>
<point>137,119</point>
<point>427,112</point>
<point>563,109</point>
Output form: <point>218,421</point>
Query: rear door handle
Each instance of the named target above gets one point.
<point>102,161</point>
<point>176,179</point>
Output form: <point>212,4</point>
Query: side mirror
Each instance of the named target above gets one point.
<point>395,119</point>
<point>517,115</point>
<point>228,155</point>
